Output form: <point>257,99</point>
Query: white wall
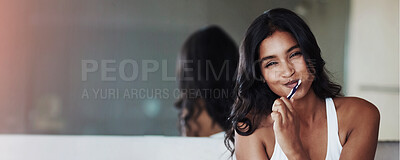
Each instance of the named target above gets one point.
<point>373,59</point>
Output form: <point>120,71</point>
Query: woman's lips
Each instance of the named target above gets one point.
<point>292,84</point>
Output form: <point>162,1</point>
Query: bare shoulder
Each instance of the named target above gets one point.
<point>355,105</point>
<point>353,110</point>
<point>358,122</point>
<point>253,145</point>
<point>261,130</point>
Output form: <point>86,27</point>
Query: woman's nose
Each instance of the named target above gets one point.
<point>287,70</point>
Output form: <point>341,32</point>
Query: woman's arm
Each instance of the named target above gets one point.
<point>363,135</point>
<point>249,147</point>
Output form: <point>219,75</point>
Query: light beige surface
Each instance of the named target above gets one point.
<point>373,59</point>
<point>46,147</point>
<point>51,147</point>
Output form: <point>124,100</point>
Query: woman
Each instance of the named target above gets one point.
<point>206,68</point>
<point>317,122</point>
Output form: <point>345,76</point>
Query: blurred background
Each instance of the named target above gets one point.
<point>64,63</point>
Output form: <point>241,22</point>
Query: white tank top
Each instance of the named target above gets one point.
<point>334,147</point>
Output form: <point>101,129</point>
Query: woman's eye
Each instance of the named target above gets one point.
<point>270,64</point>
<point>295,54</point>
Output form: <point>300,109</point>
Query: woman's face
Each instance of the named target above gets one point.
<point>282,65</point>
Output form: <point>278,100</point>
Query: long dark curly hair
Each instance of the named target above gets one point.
<point>212,58</point>
<point>255,98</point>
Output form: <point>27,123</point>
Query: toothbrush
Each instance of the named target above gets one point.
<point>294,90</point>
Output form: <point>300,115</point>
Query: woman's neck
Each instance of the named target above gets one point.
<point>309,108</point>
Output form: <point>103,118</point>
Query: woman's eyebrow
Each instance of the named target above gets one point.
<point>292,48</point>
<point>266,58</point>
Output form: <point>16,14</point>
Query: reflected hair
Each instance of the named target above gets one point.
<point>208,61</point>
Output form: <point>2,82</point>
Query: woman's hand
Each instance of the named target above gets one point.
<point>287,128</point>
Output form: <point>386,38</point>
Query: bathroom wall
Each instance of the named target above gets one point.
<point>372,60</point>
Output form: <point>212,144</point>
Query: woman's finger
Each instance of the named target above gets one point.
<point>288,104</point>
<point>277,118</point>
<point>279,106</point>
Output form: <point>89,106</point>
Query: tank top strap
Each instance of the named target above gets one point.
<point>334,147</point>
<point>278,153</point>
